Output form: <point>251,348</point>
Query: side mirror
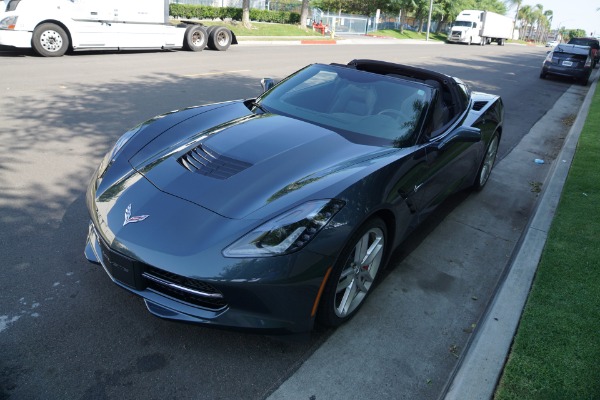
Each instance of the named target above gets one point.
<point>267,83</point>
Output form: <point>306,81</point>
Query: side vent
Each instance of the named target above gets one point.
<point>478,105</point>
<point>207,162</point>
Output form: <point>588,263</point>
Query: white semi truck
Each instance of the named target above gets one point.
<point>481,27</point>
<point>51,27</point>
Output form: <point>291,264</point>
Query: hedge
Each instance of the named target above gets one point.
<point>189,11</point>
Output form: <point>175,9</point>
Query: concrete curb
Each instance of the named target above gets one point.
<point>247,41</point>
<point>479,369</point>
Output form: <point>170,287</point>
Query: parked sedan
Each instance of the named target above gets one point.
<point>594,43</point>
<point>569,60</point>
<point>278,211</point>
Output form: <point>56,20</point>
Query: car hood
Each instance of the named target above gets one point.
<point>251,161</point>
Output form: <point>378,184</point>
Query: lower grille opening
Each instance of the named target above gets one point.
<point>184,289</point>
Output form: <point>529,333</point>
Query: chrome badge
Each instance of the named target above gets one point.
<point>130,219</point>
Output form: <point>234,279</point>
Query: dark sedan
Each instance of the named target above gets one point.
<point>569,61</point>
<point>275,212</point>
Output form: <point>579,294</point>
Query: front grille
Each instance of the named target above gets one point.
<point>188,290</point>
<point>141,276</point>
<point>210,163</point>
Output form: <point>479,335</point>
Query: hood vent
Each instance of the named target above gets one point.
<point>210,163</point>
<point>478,105</point>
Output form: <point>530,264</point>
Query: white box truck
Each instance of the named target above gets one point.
<point>481,27</point>
<point>51,27</point>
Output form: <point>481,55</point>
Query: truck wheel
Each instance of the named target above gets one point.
<point>50,40</point>
<point>195,38</point>
<point>219,38</point>
<point>500,42</point>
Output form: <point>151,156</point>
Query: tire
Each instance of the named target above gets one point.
<point>50,40</point>
<point>485,169</point>
<point>349,284</point>
<point>500,42</point>
<point>195,38</point>
<point>209,29</point>
<point>584,81</point>
<point>219,38</point>
<point>542,75</point>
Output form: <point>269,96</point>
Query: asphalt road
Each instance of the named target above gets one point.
<point>65,330</point>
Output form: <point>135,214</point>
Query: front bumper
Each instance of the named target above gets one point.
<point>14,38</point>
<point>279,304</point>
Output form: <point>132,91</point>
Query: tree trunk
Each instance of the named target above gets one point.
<point>246,14</point>
<point>304,14</point>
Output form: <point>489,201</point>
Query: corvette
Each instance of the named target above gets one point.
<point>278,212</point>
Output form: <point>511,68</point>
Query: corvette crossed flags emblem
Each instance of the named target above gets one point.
<point>130,219</point>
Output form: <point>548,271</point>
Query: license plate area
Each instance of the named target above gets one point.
<point>567,63</point>
<point>122,268</point>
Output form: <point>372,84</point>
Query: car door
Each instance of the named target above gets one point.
<point>93,24</point>
<point>451,158</point>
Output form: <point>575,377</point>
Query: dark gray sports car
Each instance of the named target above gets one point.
<point>276,212</point>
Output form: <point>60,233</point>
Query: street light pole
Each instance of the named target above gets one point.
<point>429,19</point>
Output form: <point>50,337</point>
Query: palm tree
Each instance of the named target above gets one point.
<point>536,17</point>
<point>525,16</point>
<point>518,4</point>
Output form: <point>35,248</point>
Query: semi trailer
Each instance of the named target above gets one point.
<point>51,27</point>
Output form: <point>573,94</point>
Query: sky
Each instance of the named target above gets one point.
<point>572,14</point>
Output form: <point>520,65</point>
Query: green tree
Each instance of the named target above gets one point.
<point>518,3</point>
<point>525,18</point>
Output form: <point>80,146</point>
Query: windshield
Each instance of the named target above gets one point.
<point>365,107</point>
<point>462,23</point>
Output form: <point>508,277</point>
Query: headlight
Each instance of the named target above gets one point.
<point>9,22</point>
<point>109,158</point>
<point>286,233</point>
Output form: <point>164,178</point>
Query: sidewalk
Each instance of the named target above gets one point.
<point>481,366</point>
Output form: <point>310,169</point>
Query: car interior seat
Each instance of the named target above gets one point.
<point>355,99</point>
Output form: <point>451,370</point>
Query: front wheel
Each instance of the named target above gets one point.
<point>50,40</point>
<point>354,274</point>
<point>487,163</point>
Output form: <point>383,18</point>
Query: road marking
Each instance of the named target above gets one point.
<point>216,73</point>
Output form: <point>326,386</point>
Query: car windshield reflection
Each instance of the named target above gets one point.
<point>375,109</point>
